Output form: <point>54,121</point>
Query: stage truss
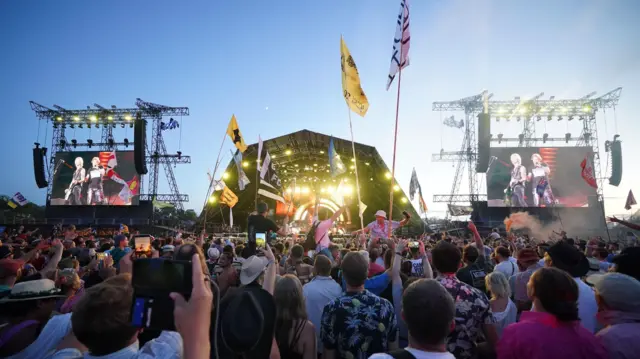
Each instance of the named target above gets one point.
<point>528,112</point>
<point>109,118</point>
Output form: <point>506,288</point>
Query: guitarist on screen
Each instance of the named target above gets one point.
<point>539,177</point>
<point>73,194</point>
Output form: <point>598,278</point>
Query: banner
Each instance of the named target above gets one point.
<point>236,136</point>
<point>351,87</point>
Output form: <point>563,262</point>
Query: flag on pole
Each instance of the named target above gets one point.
<point>401,43</point>
<point>335,163</point>
<point>265,165</point>
<point>351,87</point>
<point>228,197</point>
<point>236,136</point>
<point>631,201</point>
<point>243,180</point>
<point>587,171</point>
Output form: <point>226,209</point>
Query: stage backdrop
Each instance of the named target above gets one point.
<point>564,188</point>
<point>120,182</point>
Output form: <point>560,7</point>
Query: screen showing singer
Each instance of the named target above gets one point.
<point>537,177</point>
<point>95,178</point>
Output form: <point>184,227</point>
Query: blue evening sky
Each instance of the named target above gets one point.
<point>275,64</point>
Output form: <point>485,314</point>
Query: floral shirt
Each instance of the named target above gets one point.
<point>357,325</point>
<point>472,311</point>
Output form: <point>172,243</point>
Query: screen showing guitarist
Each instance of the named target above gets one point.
<point>540,187</point>
<point>73,194</point>
<point>517,182</point>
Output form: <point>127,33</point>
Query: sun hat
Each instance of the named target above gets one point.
<point>619,291</point>
<point>381,213</point>
<point>32,290</point>
<point>252,268</point>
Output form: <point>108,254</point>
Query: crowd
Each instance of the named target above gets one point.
<point>70,295</point>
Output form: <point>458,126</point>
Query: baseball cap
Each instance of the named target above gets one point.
<point>619,291</point>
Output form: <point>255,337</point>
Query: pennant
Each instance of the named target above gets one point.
<point>228,197</point>
<point>587,171</point>
<point>401,43</point>
<point>631,201</point>
<point>362,207</point>
<point>265,165</point>
<point>335,163</point>
<point>243,180</point>
<point>351,87</point>
<point>236,136</point>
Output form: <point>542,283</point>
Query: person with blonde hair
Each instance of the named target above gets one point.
<point>295,334</point>
<point>504,310</point>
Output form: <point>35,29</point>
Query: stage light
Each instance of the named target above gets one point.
<point>126,142</point>
<point>245,164</point>
<point>110,118</point>
<point>288,152</point>
<point>404,200</point>
<point>212,200</point>
<point>387,175</point>
<point>500,137</point>
<point>396,188</point>
<point>76,118</point>
<point>521,138</point>
<point>74,143</point>
<point>225,175</point>
<point>567,137</point>
<point>127,117</point>
<point>93,118</point>
<point>90,142</point>
<point>545,137</point>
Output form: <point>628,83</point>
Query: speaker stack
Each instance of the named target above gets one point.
<point>38,167</point>
<point>484,142</point>
<point>139,144</point>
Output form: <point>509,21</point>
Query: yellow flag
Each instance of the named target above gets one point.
<point>228,197</point>
<point>351,89</point>
<point>236,136</point>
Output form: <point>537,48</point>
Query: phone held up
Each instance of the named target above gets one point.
<point>153,279</point>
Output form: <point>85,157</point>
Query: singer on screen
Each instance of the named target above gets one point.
<point>95,194</point>
<point>539,177</point>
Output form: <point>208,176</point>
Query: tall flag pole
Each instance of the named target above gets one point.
<point>356,101</point>
<point>399,60</point>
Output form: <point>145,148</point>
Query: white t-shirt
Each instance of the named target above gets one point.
<point>418,354</point>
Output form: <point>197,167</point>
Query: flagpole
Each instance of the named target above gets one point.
<point>355,163</point>
<point>213,178</point>
<point>395,140</point>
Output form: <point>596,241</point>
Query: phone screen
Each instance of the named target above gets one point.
<point>261,239</point>
<point>142,244</point>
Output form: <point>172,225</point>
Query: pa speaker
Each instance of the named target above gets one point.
<point>38,167</point>
<point>484,142</point>
<point>616,163</point>
<point>139,144</point>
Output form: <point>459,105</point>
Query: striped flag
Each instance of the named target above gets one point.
<point>401,43</point>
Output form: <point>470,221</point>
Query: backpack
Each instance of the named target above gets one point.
<point>401,354</point>
<point>310,242</point>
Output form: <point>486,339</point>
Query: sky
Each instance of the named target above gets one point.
<point>275,65</point>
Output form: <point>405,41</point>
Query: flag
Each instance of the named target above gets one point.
<point>236,136</point>
<point>351,88</point>
<point>587,171</point>
<point>243,180</point>
<point>265,165</point>
<point>631,201</point>
<point>271,186</point>
<point>401,43</point>
<point>335,163</point>
<point>228,197</point>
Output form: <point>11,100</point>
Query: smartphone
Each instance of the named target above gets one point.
<point>152,280</point>
<point>261,240</point>
<point>142,244</point>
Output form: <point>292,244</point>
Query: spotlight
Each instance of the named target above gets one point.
<point>545,137</point>
<point>74,143</point>
<point>90,142</point>
<point>500,137</point>
<point>567,137</point>
<point>126,142</point>
<point>521,138</point>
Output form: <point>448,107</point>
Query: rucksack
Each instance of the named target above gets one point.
<point>310,242</point>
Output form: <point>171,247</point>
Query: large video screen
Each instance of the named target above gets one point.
<point>95,178</point>
<point>537,177</point>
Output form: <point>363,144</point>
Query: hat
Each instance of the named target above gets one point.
<point>252,267</point>
<point>526,255</point>
<point>247,323</point>
<point>619,291</point>
<point>213,253</point>
<point>5,251</point>
<point>381,213</point>
<point>168,248</point>
<point>32,290</point>
<point>569,259</point>
<point>10,267</point>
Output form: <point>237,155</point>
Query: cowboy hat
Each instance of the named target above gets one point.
<point>246,323</point>
<point>252,268</point>
<point>566,257</point>
<point>32,290</point>
<point>381,213</point>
